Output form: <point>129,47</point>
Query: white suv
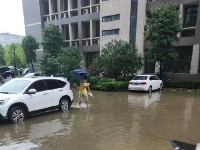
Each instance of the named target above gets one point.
<point>22,97</point>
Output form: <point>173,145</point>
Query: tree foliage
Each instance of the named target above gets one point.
<point>162,29</point>
<point>52,40</point>
<point>58,61</point>
<point>29,45</point>
<point>19,55</point>
<point>50,65</point>
<point>118,58</point>
<point>52,44</point>
<point>2,52</point>
<point>70,59</point>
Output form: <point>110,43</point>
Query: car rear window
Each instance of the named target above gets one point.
<point>140,78</point>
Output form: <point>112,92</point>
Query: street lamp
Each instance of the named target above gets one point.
<point>13,47</point>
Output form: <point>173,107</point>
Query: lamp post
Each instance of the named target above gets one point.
<point>13,47</point>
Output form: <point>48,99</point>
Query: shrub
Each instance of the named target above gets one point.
<point>107,84</point>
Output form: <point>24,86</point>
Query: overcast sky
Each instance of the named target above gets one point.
<point>11,16</point>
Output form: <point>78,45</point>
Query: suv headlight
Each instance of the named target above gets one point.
<point>3,101</point>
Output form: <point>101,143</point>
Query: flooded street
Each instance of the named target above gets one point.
<point>115,121</point>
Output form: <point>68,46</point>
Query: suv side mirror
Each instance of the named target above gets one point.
<point>32,91</point>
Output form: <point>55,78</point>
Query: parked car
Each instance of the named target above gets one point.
<point>8,73</point>
<point>22,97</point>
<point>145,83</point>
<point>31,75</point>
<point>3,69</point>
<point>25,71</point>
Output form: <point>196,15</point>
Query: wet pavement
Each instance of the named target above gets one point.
<point>114,121</point>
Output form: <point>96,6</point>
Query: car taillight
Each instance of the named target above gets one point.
<point>130,82</point>
<point>143,83</point>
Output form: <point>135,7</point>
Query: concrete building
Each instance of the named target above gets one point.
<point>188,46</point>
<point>87,24</point>
<point>90,24</point>
<point>7,38</point>
<point>78,20</point>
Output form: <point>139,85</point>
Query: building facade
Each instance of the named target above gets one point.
<point>7,38</point>
<point>79,21</point>
<point>90,24</point>
<point>188,47</point>
<point>87,24</point>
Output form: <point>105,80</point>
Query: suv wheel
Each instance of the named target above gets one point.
<point>64,104</point>
<point>17,114</point>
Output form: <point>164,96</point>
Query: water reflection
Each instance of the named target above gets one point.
<point>187,114</point>
<point>115,121</point>
<point>144,99</point>
<point>38,128</point>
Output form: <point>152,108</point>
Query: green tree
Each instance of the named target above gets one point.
<point>162,29</point>
<point>70,59</point>
<point>19,58</point>
<point>50,65</point>
<point>52,44</point>
<point>2,52</point>
<point>52,40</point>
<point>29,45</point>
<point>118,58</point>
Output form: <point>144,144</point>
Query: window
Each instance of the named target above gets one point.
<point>61,84</point>
<point>140,78</point>
<point>38,85</point>
<point>190,16</point>
<point>111,18</point>
<point>51,84</point>
<point>153,78</point>
<point>110,32</point>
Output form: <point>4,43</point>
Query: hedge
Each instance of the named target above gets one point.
<point>107,84</point>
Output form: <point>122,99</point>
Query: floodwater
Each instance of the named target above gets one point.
<point>114,121</point>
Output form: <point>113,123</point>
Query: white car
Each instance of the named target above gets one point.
<point>22,97</point>
<point>31,75</point>
<point>145,83</point>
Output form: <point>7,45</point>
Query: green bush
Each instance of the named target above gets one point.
<point>107,84</point>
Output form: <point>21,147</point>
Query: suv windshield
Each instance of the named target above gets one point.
<point>13,86</point>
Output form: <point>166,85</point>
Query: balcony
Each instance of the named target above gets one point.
<point>46,18</point>
<point>96,41</point>
<point>75,43</point>
<point>74,12</point>
<point>86,42</point>
<point>54,16</point>
<point>64,14</point>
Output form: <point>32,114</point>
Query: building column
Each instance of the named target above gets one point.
<point>195,59</point>
<point>50,9</point>
<point>181,15</point>
<point>141,21</point>
<point>91,31</point>
<point>58,8</point>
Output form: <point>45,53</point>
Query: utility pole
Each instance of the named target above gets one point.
<point>15,64</point>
